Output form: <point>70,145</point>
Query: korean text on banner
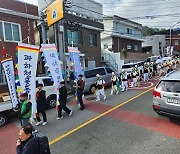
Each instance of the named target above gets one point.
<point>8,67</point>
<point>27,66</point>
<point>53,62</point>
<point>75,59</point>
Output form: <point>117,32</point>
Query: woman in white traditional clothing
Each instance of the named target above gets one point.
<point>124,81</point>
<point>114,79</point>
<point>100,87</point>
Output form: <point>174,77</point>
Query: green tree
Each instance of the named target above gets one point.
<point>124,51</point>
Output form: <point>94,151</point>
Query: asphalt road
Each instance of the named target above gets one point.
<point>122,124</point>
<point>133,128</point>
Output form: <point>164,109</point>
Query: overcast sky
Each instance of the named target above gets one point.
<point>142,9</point>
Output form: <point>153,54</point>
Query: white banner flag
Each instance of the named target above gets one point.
<point>8,67</point>
<point>27,66</point>
<point>53,62</point>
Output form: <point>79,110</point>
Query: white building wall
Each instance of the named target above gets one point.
<point>121,28</point>
<point>154,42</point>
<point>106,42</point>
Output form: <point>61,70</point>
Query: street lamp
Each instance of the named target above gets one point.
<point>171,34</point>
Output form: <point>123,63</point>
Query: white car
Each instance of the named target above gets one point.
<point>129,66</point>
<point>48,86</point>
<point>152,58</point>
<point>6,106</point>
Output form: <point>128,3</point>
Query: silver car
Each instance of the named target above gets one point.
<point>90,77</point>
<point>166,95</point>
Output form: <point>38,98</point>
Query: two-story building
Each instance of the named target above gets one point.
<point>82,27</point>
<point>121,35</point>
<point>16,24</point>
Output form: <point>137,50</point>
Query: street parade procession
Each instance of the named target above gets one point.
<point>31,101</point>
<point>89,77</point>
<point>29,98</point>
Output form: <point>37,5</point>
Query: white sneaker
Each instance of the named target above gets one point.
<point>97,100</point>
<point>70,114</point>
<point>105,98</point>
<point>59,118</point>
<point>39,123</point>
<point>44,123</point>
<point>117,93</point>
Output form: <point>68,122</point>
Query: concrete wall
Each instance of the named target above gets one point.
<point>154,42</point>
<point>107,41</point>
<point>135,56</point>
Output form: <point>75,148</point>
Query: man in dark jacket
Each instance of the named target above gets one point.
<point>25,111</point>
<point>41,105</point>
<point>27,144</point>
<point>62,101</point>
<point>80,90</point>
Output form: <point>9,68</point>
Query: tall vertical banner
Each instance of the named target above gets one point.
<point>27,66</point>
<point>8,67</point>
<point>53,62</point>
<point>75,60</point>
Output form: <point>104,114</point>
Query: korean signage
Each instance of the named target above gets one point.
<point>27,66</point>
<point>53,62</point>
<point>75,60</point>
<point>54,12</point>
<point>8,67</point>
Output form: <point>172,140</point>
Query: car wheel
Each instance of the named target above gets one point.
<point>92,89</point>
<point>51,102</point>
<point>3,120</point>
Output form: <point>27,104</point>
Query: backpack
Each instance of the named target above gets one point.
<point>43,145</point>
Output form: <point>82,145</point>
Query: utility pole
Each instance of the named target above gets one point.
<point>43,28</point>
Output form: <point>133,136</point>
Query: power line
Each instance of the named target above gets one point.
<point>124,6</point>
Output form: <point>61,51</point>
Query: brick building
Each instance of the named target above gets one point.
<point>16,24</point>
<point>175,42</point>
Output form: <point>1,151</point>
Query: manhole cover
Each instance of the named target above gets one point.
<point>90,98</point>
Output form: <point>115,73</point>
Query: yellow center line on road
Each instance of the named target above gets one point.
<point>96,118</point>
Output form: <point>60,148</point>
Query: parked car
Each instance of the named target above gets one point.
<point>129,66</point>
<point>6,110</point>
<point>166,95</point>
<point>152,58</point>
<point>48,86</point>
<point>90,77</point>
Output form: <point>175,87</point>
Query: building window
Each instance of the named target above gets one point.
<point>93,39</point>
<point>74,37</point>
<point>1,31</point>
<point>12,32</point>
<point>129,31</point>
<point>176,42</point>
<point>128,47</point>
<point>136,47</point>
